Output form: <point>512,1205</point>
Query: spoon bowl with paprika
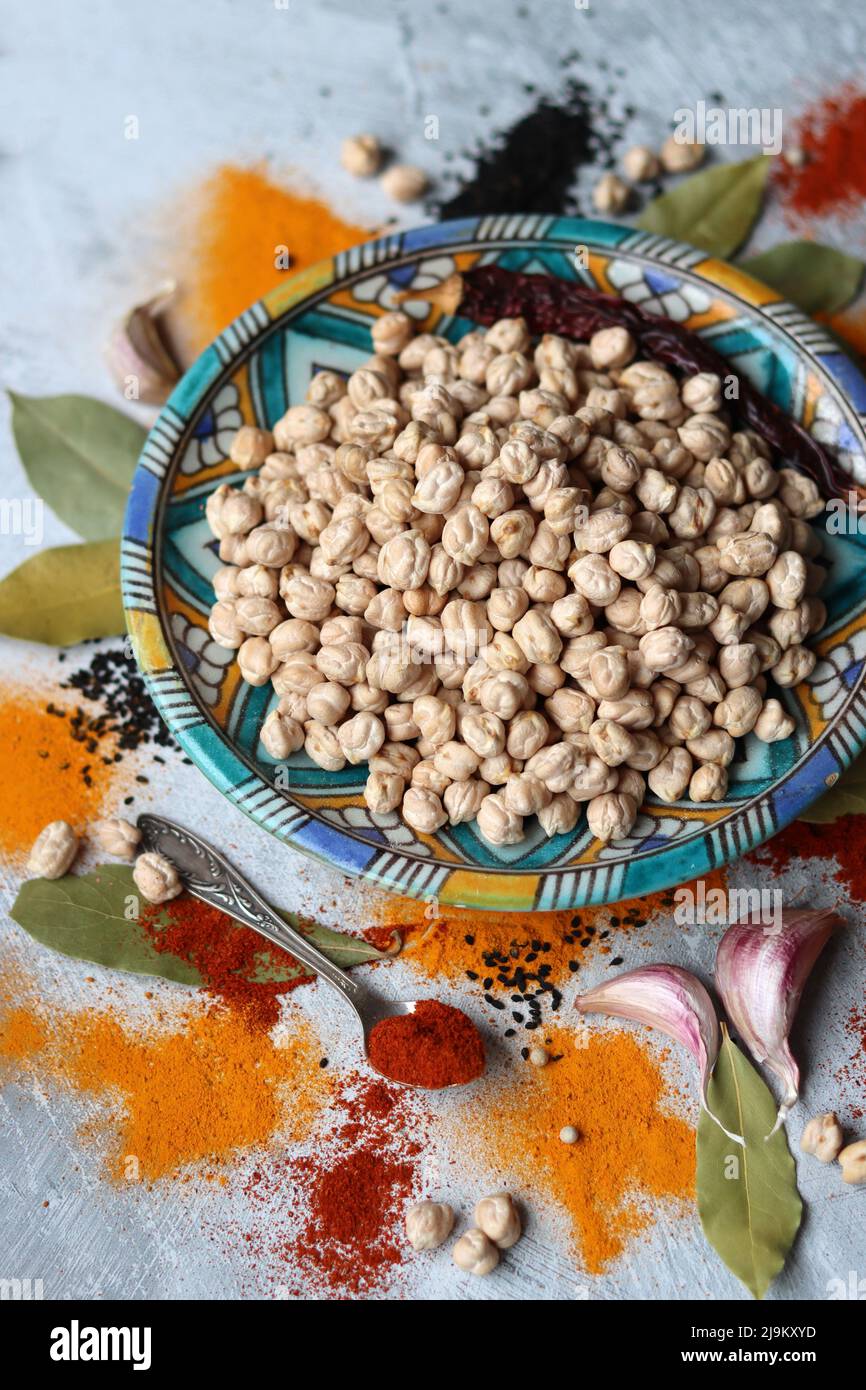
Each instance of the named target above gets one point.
<point>415,1042</point>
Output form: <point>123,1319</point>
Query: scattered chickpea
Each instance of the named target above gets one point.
<point>498,1217</point>
<point>852,1161</point>
<point>117,837</point>
<point>476,1253</point>
<point>361,155</point>
<point>156,877</point>
<point>53,850</point>
<point>681,156</point>
<point>405,183</point>
<point>429,1224</point>
<point>539,1056</point>
<point>610,194</point>
<point>641,164</point>
<point>822,1137</point>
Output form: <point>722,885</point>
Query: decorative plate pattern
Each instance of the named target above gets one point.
<point>321,319</point>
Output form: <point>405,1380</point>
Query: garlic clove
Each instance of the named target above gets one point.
<point>761,971</point>
<point>137,354</point>
<point>670,999</point>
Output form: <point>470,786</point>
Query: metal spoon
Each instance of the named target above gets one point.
<point>209,876</point>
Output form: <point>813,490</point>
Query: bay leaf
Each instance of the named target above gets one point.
<point>84,916</point>
<point>818,279</point>
<point>714,209</point>
<point>80,455</point>
<point>64,595</point>
<point>748,1201</point>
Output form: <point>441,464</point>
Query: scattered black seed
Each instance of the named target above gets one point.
<point>518,1017</point>
<point>603,935</point>
<point>532,955</point>
<point>531,167</point>
<point>471,975</point>
<point>573,965</point>
<point>488,983</point>
<point>524,1052</point>
<point>617,960</point>
<point>494,1003</point>
<point>112,683</point>
<point>470,940</point>
<point>128,800</point>
<point>323,1062</point>
<point>586,941</point>
<point>509,1032</point>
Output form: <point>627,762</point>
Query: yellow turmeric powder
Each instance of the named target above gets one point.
<point>610,1087</point>
<point>196,1089</point>
<point>50,769</point>
<point>242,219</point>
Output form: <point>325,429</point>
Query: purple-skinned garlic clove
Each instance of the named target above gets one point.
<point>761,971</point>
<point>670,999</point>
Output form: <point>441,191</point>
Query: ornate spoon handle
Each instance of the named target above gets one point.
<point>207,875</point>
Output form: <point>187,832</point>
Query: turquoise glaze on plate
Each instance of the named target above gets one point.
<point>321,319</point>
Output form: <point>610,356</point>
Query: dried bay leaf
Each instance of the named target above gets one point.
<point>64,595</point>
<point>714,209</point>
<point>80,456</point>
<point>84,916</point>
<point>818,279</point>
<point>748,1201</point>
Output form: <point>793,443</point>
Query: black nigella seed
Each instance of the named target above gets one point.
<point>509,1032</point>
<point>494,1003</point>
<point>573,965</point>
<point>471,975</point>
<point>617,960</point>
<point>518,1017</point>
<point>470,940</point>
<point>323,1062</point>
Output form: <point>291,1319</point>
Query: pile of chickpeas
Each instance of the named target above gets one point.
<point>516,581</point>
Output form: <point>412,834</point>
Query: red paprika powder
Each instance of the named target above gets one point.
<point>233,961</point>
<point>434,1046</point>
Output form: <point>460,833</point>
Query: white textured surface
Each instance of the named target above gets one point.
<point>82,233</point>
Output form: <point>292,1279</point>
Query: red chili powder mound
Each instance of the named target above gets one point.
<point>434,1046</point>
<point>352,1235</point>
<point>233,961</point>
<point>832,178</point>
<point>801,840</point>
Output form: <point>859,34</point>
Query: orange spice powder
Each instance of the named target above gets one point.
<point>46,773</point>
<point>451,942</point>
<point>194,1089</point>
<point>631,1151</point>
<point>241,219</point>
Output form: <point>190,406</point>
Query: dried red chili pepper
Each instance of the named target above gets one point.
<point>435,1046</point>
<point>550,305</point>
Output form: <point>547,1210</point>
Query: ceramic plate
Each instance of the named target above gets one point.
<point>321,319</point>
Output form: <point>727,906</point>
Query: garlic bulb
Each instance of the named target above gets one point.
<point>761,971</point>
<point>670,999</point>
